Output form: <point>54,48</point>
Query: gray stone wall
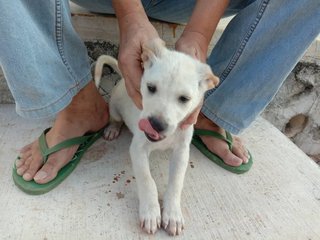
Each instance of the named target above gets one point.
<point>5,95</point>
<point>295,110</point>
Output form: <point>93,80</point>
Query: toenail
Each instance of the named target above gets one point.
<point>40,175</point>
<point>20,171</point>
<point>18,163</point>
<point>237,161</point>
<point>26,176</point>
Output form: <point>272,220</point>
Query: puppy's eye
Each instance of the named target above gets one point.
<point>152,88</point>
<point>184,99</point>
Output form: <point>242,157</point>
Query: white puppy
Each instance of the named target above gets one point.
<point>172,87</point>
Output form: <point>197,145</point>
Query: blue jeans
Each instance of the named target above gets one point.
<point>46,64</point>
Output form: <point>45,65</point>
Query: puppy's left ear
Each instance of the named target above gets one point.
<point>208,79</point>
<point>151,51</point>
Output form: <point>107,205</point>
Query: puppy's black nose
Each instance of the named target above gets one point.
<point>157,124</point>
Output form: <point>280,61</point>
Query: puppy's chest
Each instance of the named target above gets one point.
<point>168,143</point>
<point>180,140</point>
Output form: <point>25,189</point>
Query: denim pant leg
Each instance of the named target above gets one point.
<point>43,59</point>
<point>254,56</point>
<point>256,53</point>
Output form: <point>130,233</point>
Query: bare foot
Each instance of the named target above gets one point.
<point>88,112</point>
<point>236,157</point>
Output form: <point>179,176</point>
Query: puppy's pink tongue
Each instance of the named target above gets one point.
<point>144,125</point>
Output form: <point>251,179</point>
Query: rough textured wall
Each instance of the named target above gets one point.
<point>295,110</point>
<point>5,95</point>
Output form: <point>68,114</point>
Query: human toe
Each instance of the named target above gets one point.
<point>24,155</point>
<point>240,151</point>
<point>241,154</point>
<point>32,170</point>
<point>47,173</point>
<point>40,177</point>
<point>231,159</point>
<point>247,155</point>
<point>22,169</point>
<point>26,148</point>
<point>19,162</point>
<point>27,176</point>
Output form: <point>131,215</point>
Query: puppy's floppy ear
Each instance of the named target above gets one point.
<point>152,50</point>
<point>212,80</point>
<point>208,80</point>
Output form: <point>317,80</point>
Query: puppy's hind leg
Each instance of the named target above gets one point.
<point>112,131</point>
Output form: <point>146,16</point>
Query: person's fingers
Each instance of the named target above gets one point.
<point>193,51</point>
<point>134,94</point>
<point>135,31</point>
<point>192,118</point>
<point>193,44</point>
<point>130,67</point>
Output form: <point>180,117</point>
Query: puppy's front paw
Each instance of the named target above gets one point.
<point>150,217</point>
<point>172,220</point>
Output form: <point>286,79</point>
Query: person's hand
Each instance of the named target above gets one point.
<point>195,45</point>
<point>135,31</point>
<point>192,118</point>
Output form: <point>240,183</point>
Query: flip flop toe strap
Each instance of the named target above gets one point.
<point>46,151</point>
<point>202,132</point>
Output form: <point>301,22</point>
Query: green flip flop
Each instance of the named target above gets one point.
<point>197,142</point>
<point>84,142</point>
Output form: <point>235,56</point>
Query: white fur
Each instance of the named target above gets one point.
<point>174,74</point>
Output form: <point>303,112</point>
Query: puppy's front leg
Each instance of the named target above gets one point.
<point>149,209</point>
<point>172,218</point>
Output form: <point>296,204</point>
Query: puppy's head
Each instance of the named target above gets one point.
<point>172,86</point>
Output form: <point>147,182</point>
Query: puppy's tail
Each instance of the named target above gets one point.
<point>101,61</point>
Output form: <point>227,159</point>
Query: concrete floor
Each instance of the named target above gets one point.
<point>278,199</point>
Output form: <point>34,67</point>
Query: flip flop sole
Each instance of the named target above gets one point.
<point>33,188</point>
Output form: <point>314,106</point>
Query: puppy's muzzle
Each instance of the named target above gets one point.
<point>153,128</point>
